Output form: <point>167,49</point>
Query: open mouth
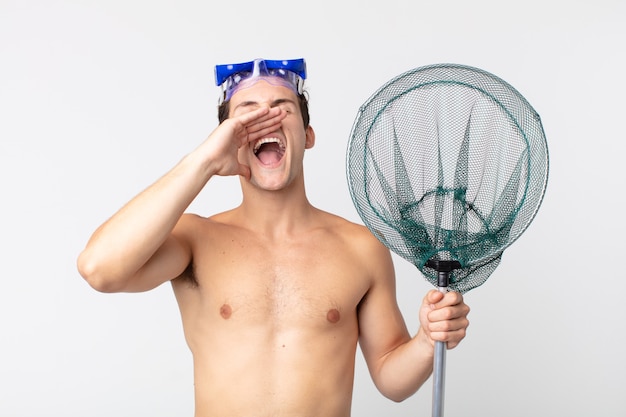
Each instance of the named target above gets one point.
<point>269,150</point>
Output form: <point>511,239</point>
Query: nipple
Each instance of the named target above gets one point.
<point>333,315</point>
<point>226,311</point>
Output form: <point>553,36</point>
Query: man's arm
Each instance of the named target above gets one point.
<point>400,364</point>
<point>145,243</point>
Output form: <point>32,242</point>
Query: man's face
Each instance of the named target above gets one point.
<point>276,159</point>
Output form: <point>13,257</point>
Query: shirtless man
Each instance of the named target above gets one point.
<point>275,293</point>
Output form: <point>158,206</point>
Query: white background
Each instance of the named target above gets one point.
<point>99,98</point>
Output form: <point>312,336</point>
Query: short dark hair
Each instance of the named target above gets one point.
<point>303,100</point>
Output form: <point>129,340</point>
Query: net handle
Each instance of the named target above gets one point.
<point>443,269</point>
<point>439,371</point>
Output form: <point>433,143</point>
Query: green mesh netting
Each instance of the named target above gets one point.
<point>448,162</point>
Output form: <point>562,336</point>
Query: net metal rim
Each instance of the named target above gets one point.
<point>379,107</point>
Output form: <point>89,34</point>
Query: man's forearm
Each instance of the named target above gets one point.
<point>405,369</point>
<point>125,242</point>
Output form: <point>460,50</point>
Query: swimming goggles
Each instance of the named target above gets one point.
<point>289,73</point>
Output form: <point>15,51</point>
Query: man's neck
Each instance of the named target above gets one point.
<point>276,213</point>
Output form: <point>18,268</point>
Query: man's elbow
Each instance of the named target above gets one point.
<point>397,391</point>
<point>397,397</point>
<point>96,276</point>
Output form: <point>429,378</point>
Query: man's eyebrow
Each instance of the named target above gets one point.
<point>246,104</point>
<point>280,101</point>
<point>277,102</point>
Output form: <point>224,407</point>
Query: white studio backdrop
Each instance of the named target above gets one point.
<point>100,98</point>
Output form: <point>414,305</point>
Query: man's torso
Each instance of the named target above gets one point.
<point>272,323</point>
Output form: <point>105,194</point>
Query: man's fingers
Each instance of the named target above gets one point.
<point>448,312</point>
<point>258,123</point>
<point>444,317</point>
<point>251,116</point>
<point>440,300</point>
<point>261,129</point>
<point>261,118</point>
<point>451,325</point>
<point>451,332</point>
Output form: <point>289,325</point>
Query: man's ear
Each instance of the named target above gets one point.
<point>310,138</point>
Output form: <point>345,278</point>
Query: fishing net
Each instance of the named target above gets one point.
<point>447,165</point>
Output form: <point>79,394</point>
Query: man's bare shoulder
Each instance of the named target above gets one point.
<point>335,230</point>
<point>354,234</point>
<point>197,223</point>
<point>196,218</point>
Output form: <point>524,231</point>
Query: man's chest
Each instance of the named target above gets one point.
<point>286,282</point>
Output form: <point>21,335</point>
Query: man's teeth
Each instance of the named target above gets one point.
<point>260,142</point>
